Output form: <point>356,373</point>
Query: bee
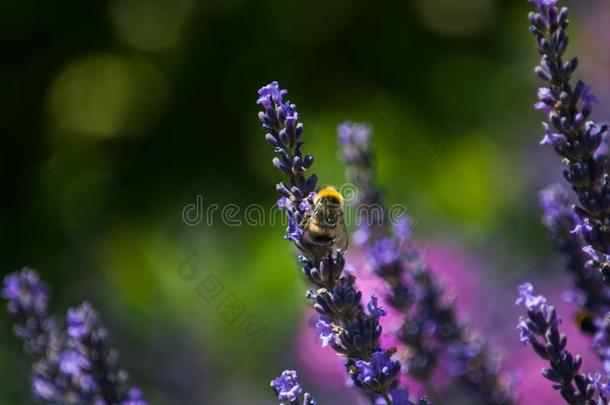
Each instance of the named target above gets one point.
<point>585,321</point>
<point>325,229</point>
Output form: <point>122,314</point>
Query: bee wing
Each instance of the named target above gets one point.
<point>342,240</point>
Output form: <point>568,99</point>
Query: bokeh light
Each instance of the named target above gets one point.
<point>461,18</point>
<point>150,25</point>
<point>104,96</point>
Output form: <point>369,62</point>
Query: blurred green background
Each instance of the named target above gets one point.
<point>115,115</point>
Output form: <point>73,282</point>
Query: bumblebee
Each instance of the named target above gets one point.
<point>324,230</point>
<point>585,321</point>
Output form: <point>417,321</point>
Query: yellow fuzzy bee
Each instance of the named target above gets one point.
<point>325,228</point>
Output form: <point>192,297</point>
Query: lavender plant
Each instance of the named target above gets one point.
<point>430,322</point>
<point>352,331</point>
<point>540,329</point>
<point>578,140</point>
<point>561,220</point>
<point>72,366</point>
<point>570,131</point>
<point>592,296</point>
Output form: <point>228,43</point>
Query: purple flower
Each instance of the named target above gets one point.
<point>355,134</point>
<point>335,297</point>
<point>78,370</point>
<point>269,94</point>
<point>367,370</point>
<point>576,139</point>
<point>402,228</point>
<point>588,98</point>
<point>384,252</point>
<point>27,298</point>
<point>430,325</point>
<point>596,259</point>
<point>527,297</point>
<point>540,329</point>
<point>601,343</point>
<point>44,389</point>
<point>362,235</point>
<point>400,397</point>
<point>377,374</point>
<point>284,203</point>
<point>306,206</point>
<point>134,397</point>
<point>557,140</point>
<point>544,3</point>
<point>286,386</point>
<point>525,334</point>
<point>73,363</point>
<point>546,100</point>
<point>325,331</point>
<point>293,231</point>
<point>25,292</point>
<point>557,210</point>
<point>88,336</point>
<point>374,309</point>
<point>83,323</point>
<point>280,119</point>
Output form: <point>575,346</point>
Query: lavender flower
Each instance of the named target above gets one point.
<point>134,397</point>
<point>325,331</point>
<point>561,220</point>
<point>430,324</point>
<point>355,334</point>
<point>544,3</point>
<point>400,397</point>
<point>72,367</point>
<point>374,309</point>
<point>570,132</point>
<point>601,342</point>
<point>28,298</point>
<point>88,337</point>
<point>378,374</point>
<point>540,329</point>
<point>280,119</point>
<point>287,388</point>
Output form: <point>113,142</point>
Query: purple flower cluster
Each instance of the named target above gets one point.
<point>287,388</point>
<point>561,220</point>
<point>581,232</point>
<point>281,120</point>
<point>72,367</point>
<point>571,133</point>
<point>28,299</point>
<point>430,324</point>
<point>540,329</point>
<point>378,374</point>
<point>344,323</point>
<point>601,342</point>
